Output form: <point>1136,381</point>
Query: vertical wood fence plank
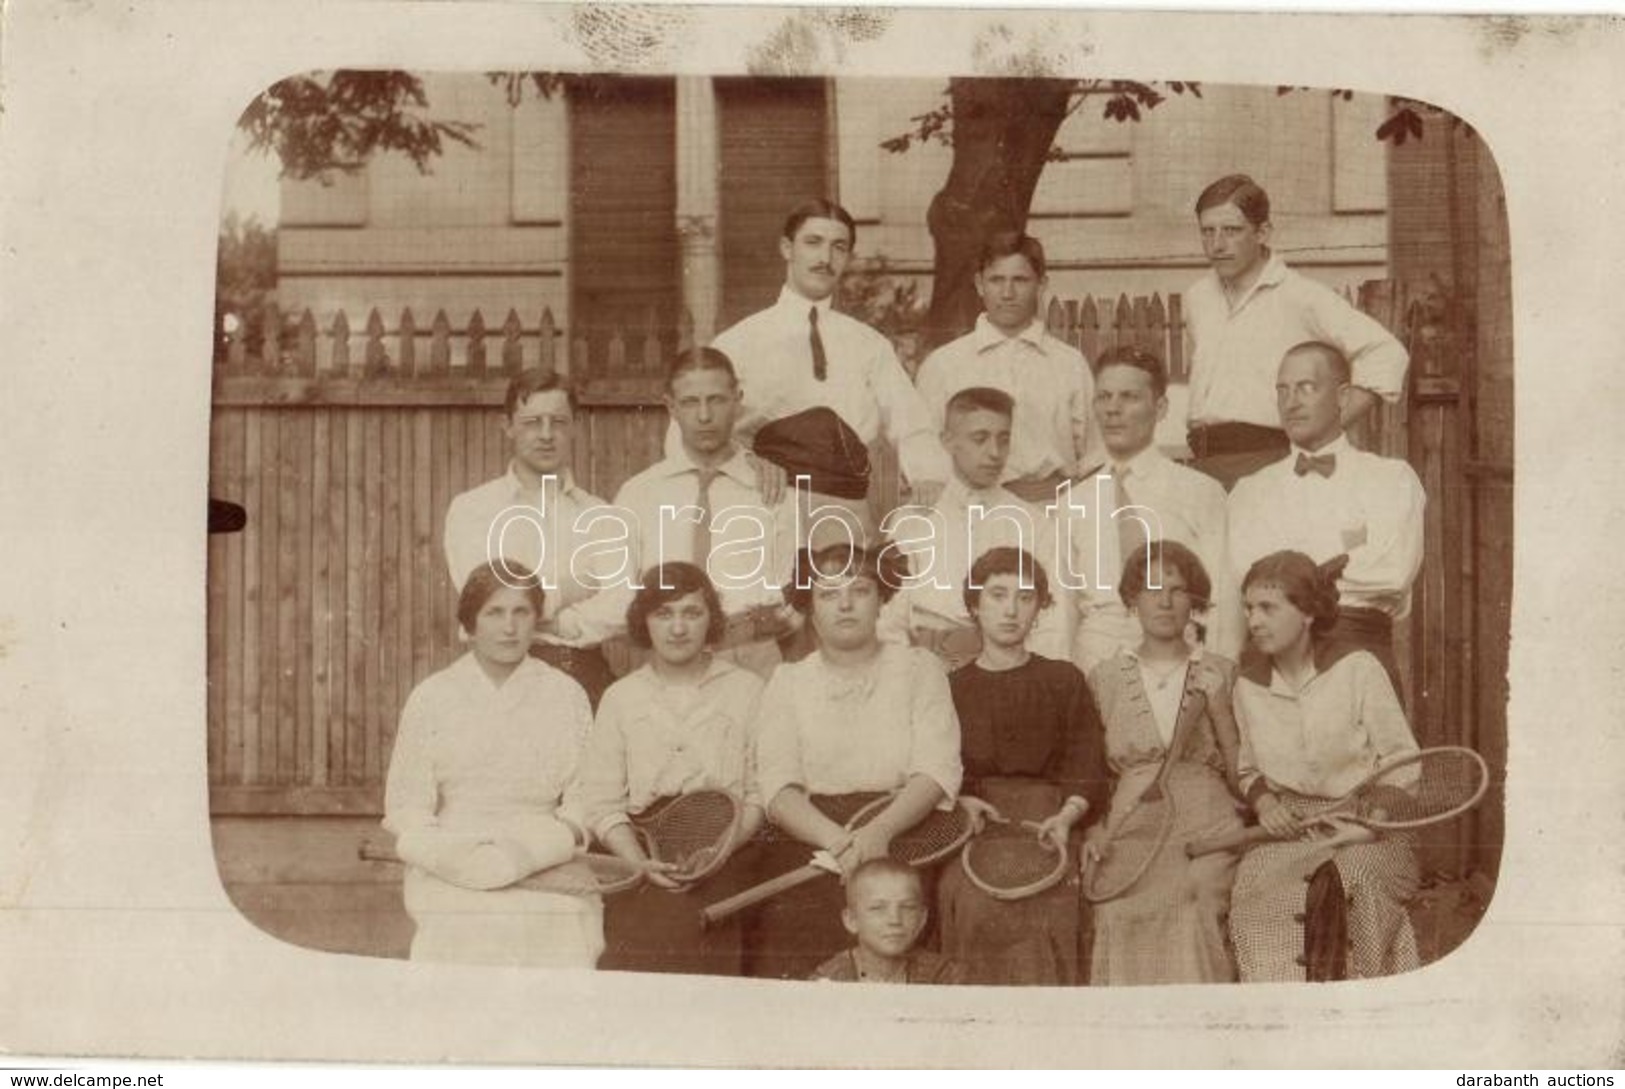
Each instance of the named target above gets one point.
<point>338,596</point>
<point>357,694</point>
<point>215,619</point>
<point>375,610</point>
<point>474,349</point>
<point>254,534</point>
<point>270,657</point>
<point>320,582</point>
<point>235,423</point>
<point>290,591</point>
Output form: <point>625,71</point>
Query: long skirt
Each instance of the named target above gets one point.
<point>1268,904</point>
<point>510,927</point>
<point>652,929</point>
<point>1170,926</point>
<point>1031,941</point>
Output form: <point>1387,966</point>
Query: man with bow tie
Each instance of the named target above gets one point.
<point>1328,499</point>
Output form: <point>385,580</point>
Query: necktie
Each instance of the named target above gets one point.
<point>1324,464</point>
<point>820,360</point>
<point>1130,533</point>
<point>702,530</point>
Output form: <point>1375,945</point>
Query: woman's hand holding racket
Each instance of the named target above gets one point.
<point>1277,820</point>
<point>980,813</point>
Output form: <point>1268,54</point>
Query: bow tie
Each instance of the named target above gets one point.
<point>1324,464</point>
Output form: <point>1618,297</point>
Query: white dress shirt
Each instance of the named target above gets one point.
<point>865,386</point>
<point>548,529</point>
<point>1322,739</point>
<point>1054,430</point>
<point>1235,353</point>
<point>1370,507</point>
<point>1191,509</point>
<point>942,544</point>
<point>752,546</point>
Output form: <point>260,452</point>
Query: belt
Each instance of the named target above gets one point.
<point>567,658</point>
<point>1207,440</point>
<point>754,625</point>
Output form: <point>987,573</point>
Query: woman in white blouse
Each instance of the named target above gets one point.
<point>855,717</point>
<point>1316,717</point>
<point>484,751</point>
<point>682,722</point>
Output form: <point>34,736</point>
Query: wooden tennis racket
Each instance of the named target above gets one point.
<point>1135,840</point>
<point>1414,791</point>
<point>1013,862</point>
<point>938,835</point>
<point>694,832</point>
<point>587,874</point>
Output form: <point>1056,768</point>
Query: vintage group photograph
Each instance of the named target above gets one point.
<point>1003,530</point>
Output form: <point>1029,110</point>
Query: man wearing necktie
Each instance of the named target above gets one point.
<point>703,505</point>
<point>1326,498</point>
<point>1130,400</point>
<point>818,387</point>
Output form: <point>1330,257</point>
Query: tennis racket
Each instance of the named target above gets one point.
<point>1137,838</point>
<point>938,835</point>
<point>1426,787</point>
<point>587,874</point>
<point>1013,863</point>
<point>693,832</point>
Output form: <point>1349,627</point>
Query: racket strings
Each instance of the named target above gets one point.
<point>1011,862</point>
<point>1434,784</point>
<point>940,833</point>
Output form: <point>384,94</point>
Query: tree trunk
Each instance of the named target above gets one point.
<point>1003,131</point>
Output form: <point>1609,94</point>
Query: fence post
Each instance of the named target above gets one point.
<point>474,357</point>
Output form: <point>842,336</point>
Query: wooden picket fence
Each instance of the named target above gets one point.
<point>346,443</point>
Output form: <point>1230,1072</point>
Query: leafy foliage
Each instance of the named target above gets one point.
<point>321,123</point>
<point>1405,120</point>
<point>874,293</point>
<point>1125,99</point>
<point>245,277</point>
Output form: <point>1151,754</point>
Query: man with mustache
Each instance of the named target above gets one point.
<point>1242,317</point>
<point>817,387</point>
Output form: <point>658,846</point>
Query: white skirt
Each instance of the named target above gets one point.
<point>512,927</point>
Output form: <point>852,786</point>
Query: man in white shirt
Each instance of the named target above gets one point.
<point>703,505</point>
<point>818,386</point>
<point>973,514</point>
<point>1242,317</point>
<point>1327,499</point>
<point>1054,436</point>
<point>1131,398</point>
<point>537,516</point>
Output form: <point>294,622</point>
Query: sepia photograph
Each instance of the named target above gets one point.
<point>705,503</point>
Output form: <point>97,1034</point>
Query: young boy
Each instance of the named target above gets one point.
<point>885,911</point>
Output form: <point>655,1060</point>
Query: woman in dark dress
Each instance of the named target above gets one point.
<point>1031,743</point>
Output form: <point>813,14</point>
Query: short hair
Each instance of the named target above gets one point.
<point>883,566</point>
<point>699,359</point>
<point>819,209</point>
<point>1330,352</point>
<point>980,398</point>
<point>486,579</point>
<point>884,866</point>
<point>1001,244</point>
<point>1167,554</point>
<point>528,383</point>
<point>1005,560</point>
<point>665,583</point>
<point>1128,355</point>
<point>1310,587</point>
<point>1238,189</point>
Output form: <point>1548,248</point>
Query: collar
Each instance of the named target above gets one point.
<point>958,492</point>
<point>792,301</point>
<point>1323,654</point>
<point>990,336</point>
<point>566,481</point>
<point>469,672</point>
<point>1339,446</point>
<point>1146,464</point>
<point>737,468</point>
<point>1132,654</point>
<point>718,667</point>
<point>1271,275</point>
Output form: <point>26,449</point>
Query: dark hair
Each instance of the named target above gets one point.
<point>884,866</point>
<point>1001,244</point>
<point>1127,355</point>
<point>663,584</point>
<point>1311,587</point>
<point>1329,352</point>
<point>819,209</point>
<point>486,579</point>
<point>884,566</point>
<point>1007,561</point>
<point>526,384</point>
<point>1167,554</point>
<point>1238,189</point>
<point>985,398</point>
<point>699,359</point>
